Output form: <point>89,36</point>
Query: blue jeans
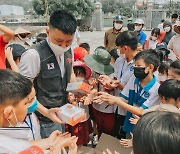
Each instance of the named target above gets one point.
<point>46,128</point>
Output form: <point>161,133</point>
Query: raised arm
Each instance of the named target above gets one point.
<point>8,34</point>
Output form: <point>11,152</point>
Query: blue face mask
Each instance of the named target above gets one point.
<point>32,108</point>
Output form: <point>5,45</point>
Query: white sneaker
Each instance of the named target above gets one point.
<point>95,140</point>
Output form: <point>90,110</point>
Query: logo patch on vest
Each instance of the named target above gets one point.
<point>50,66</point>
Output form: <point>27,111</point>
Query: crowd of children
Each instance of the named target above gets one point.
<point>135,90</point>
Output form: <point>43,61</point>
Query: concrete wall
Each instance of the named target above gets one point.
<point>7,10</point>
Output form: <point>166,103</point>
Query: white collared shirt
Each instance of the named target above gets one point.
<point>123,71</point>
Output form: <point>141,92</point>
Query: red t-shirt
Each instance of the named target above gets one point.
<point>2,53</point>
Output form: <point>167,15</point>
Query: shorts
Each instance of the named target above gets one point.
<point>105,122</point>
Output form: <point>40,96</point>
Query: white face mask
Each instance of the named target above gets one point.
<point>161,78</point>
<point>79,79</point>
<point>121,55</point>
<point>167,29</point>
<point>58,50</point>
<point>153,38</point>
<point>117,26</point>
<point>137,28</point>
<point>17,123</point>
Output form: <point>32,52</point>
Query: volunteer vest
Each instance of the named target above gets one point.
<point>49,84</point>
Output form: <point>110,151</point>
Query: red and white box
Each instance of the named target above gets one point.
<point>79,87</point>
<point>71,114</point>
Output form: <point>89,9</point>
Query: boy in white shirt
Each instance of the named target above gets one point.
<point>140,92</point>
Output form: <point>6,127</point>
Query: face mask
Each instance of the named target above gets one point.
<point>17,123</point>
<point>139,73</point>
<point>32,108</point>
<point>153,38</point>
<point>137,28</point>
<point>117,26</point>
<point>58,50</point>
<point>161,78</point>
<point>120,55</point>
<point>79,79</point>
<point>167,29</point>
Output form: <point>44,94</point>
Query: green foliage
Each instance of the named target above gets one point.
<point>117,7</point>
<point>79,8</point>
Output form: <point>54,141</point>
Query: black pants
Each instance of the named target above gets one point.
<point>119,123</point>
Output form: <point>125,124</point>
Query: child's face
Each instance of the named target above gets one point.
<point>140,63</point>
<point>80,77</point>
<point>173,75</point>
<point>18,112</point>
<point>162,77</point>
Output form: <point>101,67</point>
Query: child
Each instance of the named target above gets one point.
<point>16,95</point>
<point>79,53</point>
<point>174,70</point>
<point>114,55</point>
<point>163,72</point>
<point>169,94</point>
<point>13,54</point>
<point>140,92</point>
<point>153,40</point>
<point>103,113</point>
<point>157,133</point>
<point>123,70</point>
<point>83,129</point>
<point>85,46</point>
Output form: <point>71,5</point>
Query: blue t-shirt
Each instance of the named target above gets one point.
<point>142,37</point>
<point>136,95</point>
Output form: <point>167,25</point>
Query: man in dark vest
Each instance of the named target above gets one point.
<point>49,65</point>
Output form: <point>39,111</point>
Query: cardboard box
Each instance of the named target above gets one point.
<point>111,143</point>
<point>71,114</point>
<point>79,87</point>
<point>105,142</point>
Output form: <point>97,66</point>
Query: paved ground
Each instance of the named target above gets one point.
<point>96,38</point>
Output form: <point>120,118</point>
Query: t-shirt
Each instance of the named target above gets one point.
<point>163,107</point>
<point>2,53</point>
<point>144,97</point>
<point>123,71</point>
<point>14,139</point>
<point>141,37</point>
<point>32,122</point>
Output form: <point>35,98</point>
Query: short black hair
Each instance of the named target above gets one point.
<point>128,38</point>
<point>79,70</point>
<point>176,66</point>
<point>163,68</point>
<point>155,31</point>
<point>174,15</point>
<point>13,87</point>
<point>114,53</point>
<point>149,57</point>
<point>157,133</point>
<point>162,20</point>
<point>85,46</point>
<point>63,21</point>
<point>170,89</point>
